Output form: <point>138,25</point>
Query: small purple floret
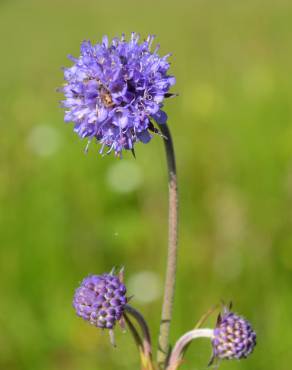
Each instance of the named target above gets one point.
<point>234,337</point>
<point>114,90</point>
<point>101,299</point>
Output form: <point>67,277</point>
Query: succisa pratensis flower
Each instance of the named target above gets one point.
<point>115,90</point>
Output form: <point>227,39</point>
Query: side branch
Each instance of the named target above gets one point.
<point>146,341</point>
<point>183,342</point>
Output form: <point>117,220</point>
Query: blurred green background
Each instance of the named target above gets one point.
<point>65,214</point>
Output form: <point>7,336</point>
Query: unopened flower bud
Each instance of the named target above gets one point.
<point>233,338</point>
<point>101,299</point>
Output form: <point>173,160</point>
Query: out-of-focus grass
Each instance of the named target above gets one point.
<point>62,218</point>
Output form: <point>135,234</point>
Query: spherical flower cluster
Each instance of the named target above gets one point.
<point>101,300</point>
<point>234,337</point>
<point>115,89</point>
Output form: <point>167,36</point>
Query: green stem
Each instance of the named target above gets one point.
<point>183,342</point>
<point>146,341</point>
<point>163,344</point>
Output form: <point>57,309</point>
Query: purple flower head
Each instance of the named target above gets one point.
<point>101,299</point>
<point>114,91</point>
<point>234,337</point>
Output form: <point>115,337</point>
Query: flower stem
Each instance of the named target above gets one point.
<point>183,342</point>
<point>163,344</point>
<point>146,342</point>
<point>146,363</point>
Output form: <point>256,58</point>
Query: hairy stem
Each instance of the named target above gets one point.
<point>163,344</point>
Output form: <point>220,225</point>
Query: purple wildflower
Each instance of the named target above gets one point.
<point>234,337</point>
<point>114,91</point>
<point>101,299</point>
